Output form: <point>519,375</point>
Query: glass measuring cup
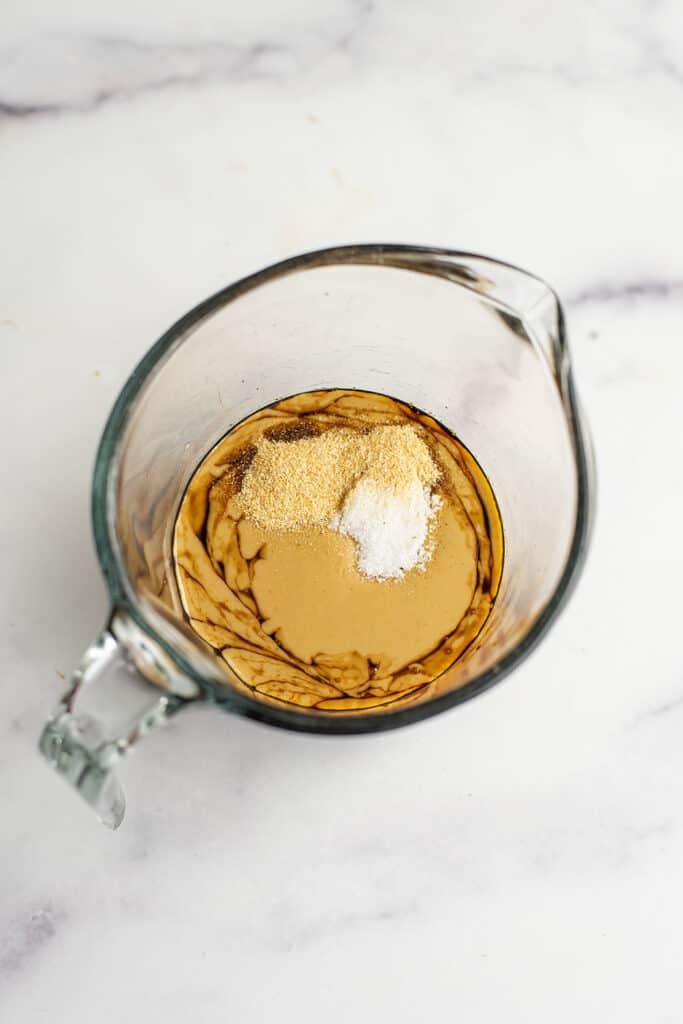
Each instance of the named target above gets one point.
<point>478,344</point>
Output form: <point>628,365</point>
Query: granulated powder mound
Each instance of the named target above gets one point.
<point>395,456</point>
<point>291,484</point>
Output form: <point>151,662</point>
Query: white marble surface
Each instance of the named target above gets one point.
<point>519,858</point>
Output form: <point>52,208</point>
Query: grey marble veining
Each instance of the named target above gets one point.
<point>91,72</point>
<point>82,72</point>
<point>27,937</point>
<point>650,289</point>
<point>79,70</point>
<point>519,858</point>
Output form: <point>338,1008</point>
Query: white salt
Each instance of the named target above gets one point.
<point>390,528</point>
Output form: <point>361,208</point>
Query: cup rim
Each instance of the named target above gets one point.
<point>105,478</point>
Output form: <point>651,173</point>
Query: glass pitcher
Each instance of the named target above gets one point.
<point>478,344</point>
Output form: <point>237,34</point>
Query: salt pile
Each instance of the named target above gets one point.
<point>390,528</point>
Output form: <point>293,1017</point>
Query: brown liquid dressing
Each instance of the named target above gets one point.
<point>289,611</point>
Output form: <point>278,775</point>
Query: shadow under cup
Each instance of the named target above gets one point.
<point>476,344</point>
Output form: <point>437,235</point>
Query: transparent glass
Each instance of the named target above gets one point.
<point>478,344</point>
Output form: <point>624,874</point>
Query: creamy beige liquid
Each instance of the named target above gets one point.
<point>288,610</point>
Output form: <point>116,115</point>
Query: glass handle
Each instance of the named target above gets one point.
<point>75,743</point>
